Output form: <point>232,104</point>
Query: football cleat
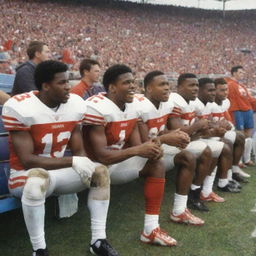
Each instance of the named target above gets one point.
<point>41,252</point>
<point>194,201</point>
<point>187,217</point>
<point>158,237</point>
<point>250,163</point>
<point>229,188</point>
<point>242,173</point>
<point>212,197</point>
<point>238,178</point>
<point>102,248</point>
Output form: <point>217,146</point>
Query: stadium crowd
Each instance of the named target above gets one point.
<point>144,37</point>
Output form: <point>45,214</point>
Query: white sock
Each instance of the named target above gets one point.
<point>247,150</point>
<point>180,204</point>
<point>230,174</point>
<point>34,219</point>
<point>208,183</point>
<point>235,169</point>
<point>99,211</point>
<point>222,183</point>
<point>194,187</point>
<point>254,144</point>
<point>150,223</point>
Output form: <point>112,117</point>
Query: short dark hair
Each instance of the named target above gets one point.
<point>112,74</point>
<point>184,76</point>
<point>33,47</point>
<point>205,80</point>
<point>86,64</point>
<point>220,80</point>
<point>235,69</point>
<point>150,76</point>
<point>46,70</point>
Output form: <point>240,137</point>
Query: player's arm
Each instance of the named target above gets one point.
<point>24,148</point>
<point>108,156</point>
<point>76,142</point>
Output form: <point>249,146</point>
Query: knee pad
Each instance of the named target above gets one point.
<point>36,185</point>
<point>100,177</point>
<point>196,148</point>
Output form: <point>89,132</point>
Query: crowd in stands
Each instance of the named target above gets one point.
<point>145,37</point>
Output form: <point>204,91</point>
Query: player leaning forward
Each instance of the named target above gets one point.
<point>41,125</point>
<point>114,140</point>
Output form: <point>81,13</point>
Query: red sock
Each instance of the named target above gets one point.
<point>153,193</point>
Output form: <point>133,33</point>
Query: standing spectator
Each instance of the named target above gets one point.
<point>241,108</point>
<point>90,73</point>
<point>24,80</point>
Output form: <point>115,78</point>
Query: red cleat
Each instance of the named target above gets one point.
<point>212,197</point>
<point>158,237</point>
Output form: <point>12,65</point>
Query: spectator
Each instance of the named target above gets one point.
<point>90,73</point>
<point>24,80</point>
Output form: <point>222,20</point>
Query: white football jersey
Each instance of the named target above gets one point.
<point>50,129</point>
<point>201,110</point>
<point>154,118</point>
<point>118,124</point>
<point>182,109</point>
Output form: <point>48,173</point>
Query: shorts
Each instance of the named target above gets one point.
<point>243,119</point>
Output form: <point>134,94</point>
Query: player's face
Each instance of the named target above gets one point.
<point>239,75</point>
<point>45,54</point>
<point>125,88</point>
<point>189,88</point>
<point>221,92</point>
<point>94,73</point>
<point>208,92</point>
<point>159,88</point>
<point>58,88</point>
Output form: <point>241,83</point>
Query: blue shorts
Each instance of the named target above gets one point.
<point>243,119</point>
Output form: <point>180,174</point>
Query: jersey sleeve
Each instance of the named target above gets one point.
<point>93,116</point>
<point>12,119</point>
<point>175,107</point>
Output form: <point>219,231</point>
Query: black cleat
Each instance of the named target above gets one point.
<point>229,188</point>
<point>235,184</point>
<point>237,177</point>
<point>41,252</point>
<point>194,201</point>
<point>102,248</point>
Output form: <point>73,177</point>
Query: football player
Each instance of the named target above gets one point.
<point>154,113</point>
<point>41,125</point>
<point>112,138</point>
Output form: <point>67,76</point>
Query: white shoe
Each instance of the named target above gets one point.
<point>242,173</point>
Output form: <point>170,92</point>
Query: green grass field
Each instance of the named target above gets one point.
<point>227,231</point>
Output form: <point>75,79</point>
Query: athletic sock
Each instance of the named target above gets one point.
<point>34,220</point>
<point>222,183</point>
<point>194,187</point>
<point>153,193</point>
<point>247,150</point>
<point>180,204</point>
<point>208,183</point>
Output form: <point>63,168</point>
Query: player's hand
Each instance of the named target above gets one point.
<point>225,124</point>
<point>219,132</point>
<point>84,167</point>
<point>150,150</point>
<point>176,138</point>
<point>202,124</point>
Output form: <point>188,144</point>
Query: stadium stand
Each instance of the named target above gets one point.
<point>123,32</point>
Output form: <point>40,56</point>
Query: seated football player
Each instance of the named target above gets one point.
<point>110,123</point>
<point>41,125</point>
<point>220,112</point>
<point>183,117</point>
<point>223,160</point>
<point>154,113</point>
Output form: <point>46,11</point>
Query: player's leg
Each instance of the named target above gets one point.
<point>185,163</point>
<point>154,174</point>
<point>203,166</point>
<point>68,181</point>
<point>32,186</point>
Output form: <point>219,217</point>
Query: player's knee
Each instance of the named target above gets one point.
<point>240,138</point>
<point>196,148</point>
<point>36,185</point>
<point>187,158</point>
<point>207,153</point>
<point>226,151</point>
<point>100,177</point>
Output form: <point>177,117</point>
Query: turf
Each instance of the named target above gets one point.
<point>227,231</point>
